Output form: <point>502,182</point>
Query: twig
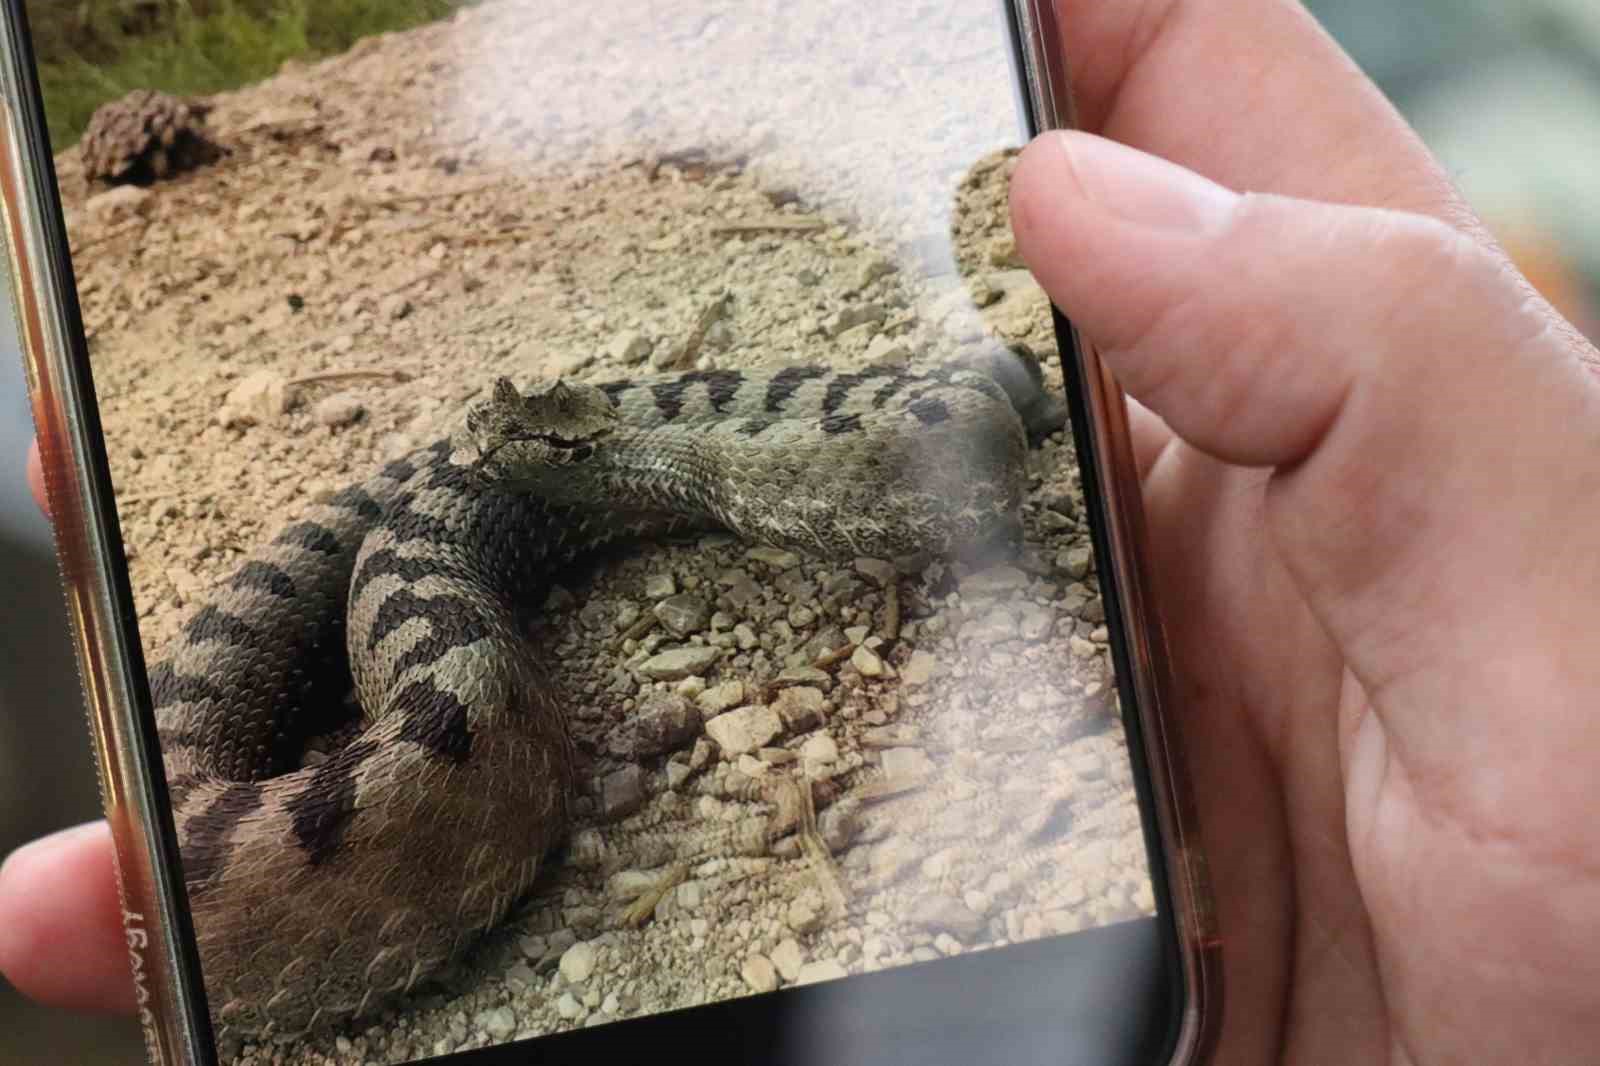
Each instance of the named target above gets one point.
<point>331,376</point>
<point>423,197</point>
<point>697,336</point>
<point>770,225</point>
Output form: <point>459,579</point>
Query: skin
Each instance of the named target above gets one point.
<point>1371,466</point>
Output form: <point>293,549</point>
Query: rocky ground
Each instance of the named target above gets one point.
<point>797,769</point>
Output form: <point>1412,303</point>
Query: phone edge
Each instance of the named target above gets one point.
<point>88,548</point>
<point>1117,520</point>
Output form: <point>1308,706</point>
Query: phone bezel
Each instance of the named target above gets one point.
<point>160,938</point>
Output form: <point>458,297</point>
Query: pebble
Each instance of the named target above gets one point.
<point>660,586</point>
<point>759,973</point>
<point>119,200</point>
<point>569,1007</point>
<point>803,916</point>
<point>876,570</point>
<point>744,730</point>
<point>867,662</point>
<point>719,698</point>
<point>629,347</point>
<point>683,614</point>
<point>946,914</point>
<point>745,636</point>
<point>1034,622</point>
<point>259,397</point>
<point>819,748</point>
<point>920,669</point>
<point>499,1023</point>
<point>1074,562</point>
<point>907,763</point>
<point>395,306</point>
<point>679,663</point>
<point>820,970</point>
<point>790,676</point>
<point>622,792</point>
<point>776,558</point>
<point>850,317</point>
<point>994,580</point>
<point>578,962</point>
<point>800,708</point>
<point>788,958</point>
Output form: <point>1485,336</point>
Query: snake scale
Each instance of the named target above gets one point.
<point>320,892</point>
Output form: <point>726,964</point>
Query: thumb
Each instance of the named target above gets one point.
<point>1432,432</point>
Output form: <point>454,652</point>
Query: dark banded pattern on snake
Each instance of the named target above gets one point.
<point>321,892</point>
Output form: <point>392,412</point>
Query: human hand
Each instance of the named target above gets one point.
<point>61,939</point>
<point>1372,537</point>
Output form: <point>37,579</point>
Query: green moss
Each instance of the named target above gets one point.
<point>92,51</point>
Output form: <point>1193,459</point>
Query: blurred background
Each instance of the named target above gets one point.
<point>1507,92</point>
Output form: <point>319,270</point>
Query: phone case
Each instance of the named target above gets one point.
<point>873,949</point>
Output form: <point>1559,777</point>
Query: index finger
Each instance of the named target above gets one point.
<point>1254,94</point>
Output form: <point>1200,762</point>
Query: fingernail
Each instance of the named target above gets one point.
<point>46,845</point>
<point>1144,189</point>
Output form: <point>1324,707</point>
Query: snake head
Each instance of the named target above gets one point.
<point>521,438</point>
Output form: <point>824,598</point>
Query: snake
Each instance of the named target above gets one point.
<point>322,889</point>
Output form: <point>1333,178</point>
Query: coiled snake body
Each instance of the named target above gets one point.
<point>319,892</point>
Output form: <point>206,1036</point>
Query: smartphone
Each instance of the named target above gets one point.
<point>583,538</point>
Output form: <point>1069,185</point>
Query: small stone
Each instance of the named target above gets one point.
<point>569,1007</point>
<point>677,774</point>
<point>558,599</point>
<point>941,913</point>
<point>906,763</point>
<point>678,663</point>
<point>776,558</point>
<point>751,766</point>
<point>1082,649</point>
<point>122,199</point>
<point>759,973</point>
<point>820,970</point>
<point>1034,622</point>
<point>340,409</point>
<point>660,586</point>
<point>877,570</point>
<point>622,792</point>
<point>802,916</point>
<point>799,708</point>
<point>1055,521</point>
<point>866,661</point>
<point>802,675</point>
<point>920,669</point>
<point>819,748</point>
<point>801,616</point>
<point>744,730</point>
<point>745,636</point>
<point>994,580</point>
<point>499,1023</point>
<point>259,397</point>
<point>578,962</point>
<point>719,698</point>
<point>856,634</point>
<point>664,723</point>
<point>788,958</point>
<point>395,306</point>
<point>629,347</point>
<point>884,350</point>
<point>683,614</point>
<point>1074,562</point>
<point>847,318</point>
<point>521,973</point>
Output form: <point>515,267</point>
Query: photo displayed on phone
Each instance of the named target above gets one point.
<point>598,498</point>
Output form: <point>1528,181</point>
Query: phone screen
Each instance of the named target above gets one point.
<point>608,545</point>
